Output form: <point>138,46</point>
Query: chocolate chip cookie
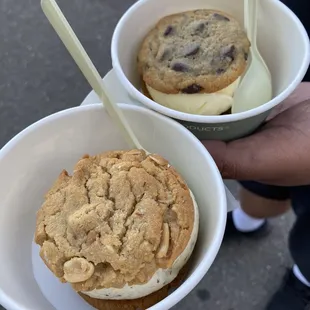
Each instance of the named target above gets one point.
<point>200,51</point>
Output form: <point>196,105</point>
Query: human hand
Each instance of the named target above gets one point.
<point>278,153</point>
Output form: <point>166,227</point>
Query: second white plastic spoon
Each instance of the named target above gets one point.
<point>255,88</point>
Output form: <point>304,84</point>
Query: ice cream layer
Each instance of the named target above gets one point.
<point>161,277</point>
<point>199,104</point>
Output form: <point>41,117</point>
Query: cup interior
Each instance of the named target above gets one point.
<point>282,39</point>
<point>32,161</point>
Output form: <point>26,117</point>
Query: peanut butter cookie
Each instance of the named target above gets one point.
<point>118,219</point>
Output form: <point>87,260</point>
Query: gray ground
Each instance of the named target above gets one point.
<point>37,78</point>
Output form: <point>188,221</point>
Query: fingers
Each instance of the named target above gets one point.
<point>235,159</point>
<point>277,154</point>
<point>302,93</point>
<point>274,156</point>
<point>258,157</point>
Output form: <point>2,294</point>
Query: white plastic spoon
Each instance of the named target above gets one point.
<point>255,88</point>
<point>75,48</point>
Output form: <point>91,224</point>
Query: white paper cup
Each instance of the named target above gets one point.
<point>31,162</point>
<point>282,40</point>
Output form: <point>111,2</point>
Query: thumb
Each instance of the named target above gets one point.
<point>237,160</point>
<point>278,153</point>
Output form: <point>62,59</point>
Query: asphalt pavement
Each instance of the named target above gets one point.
<point>37,78</point>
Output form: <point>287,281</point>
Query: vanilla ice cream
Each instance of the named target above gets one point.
<point>161,277</point>
<point>199,104</point>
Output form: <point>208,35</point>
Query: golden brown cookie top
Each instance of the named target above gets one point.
<point>116,220</point>
<point>200,51</point>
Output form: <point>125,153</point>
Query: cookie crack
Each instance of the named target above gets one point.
<point>87,190</point>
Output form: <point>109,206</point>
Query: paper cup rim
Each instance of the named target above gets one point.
<point>207,119</point>
<point>208,258</point>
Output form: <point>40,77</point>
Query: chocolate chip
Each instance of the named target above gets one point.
<point>246,56</point>
<point>220,71</point>
<point>228,52</point>
<point>179,67</point>
<point>220,17</point>
<point>168,30</point>
<point>191,49</point>
<point>192,89</point>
